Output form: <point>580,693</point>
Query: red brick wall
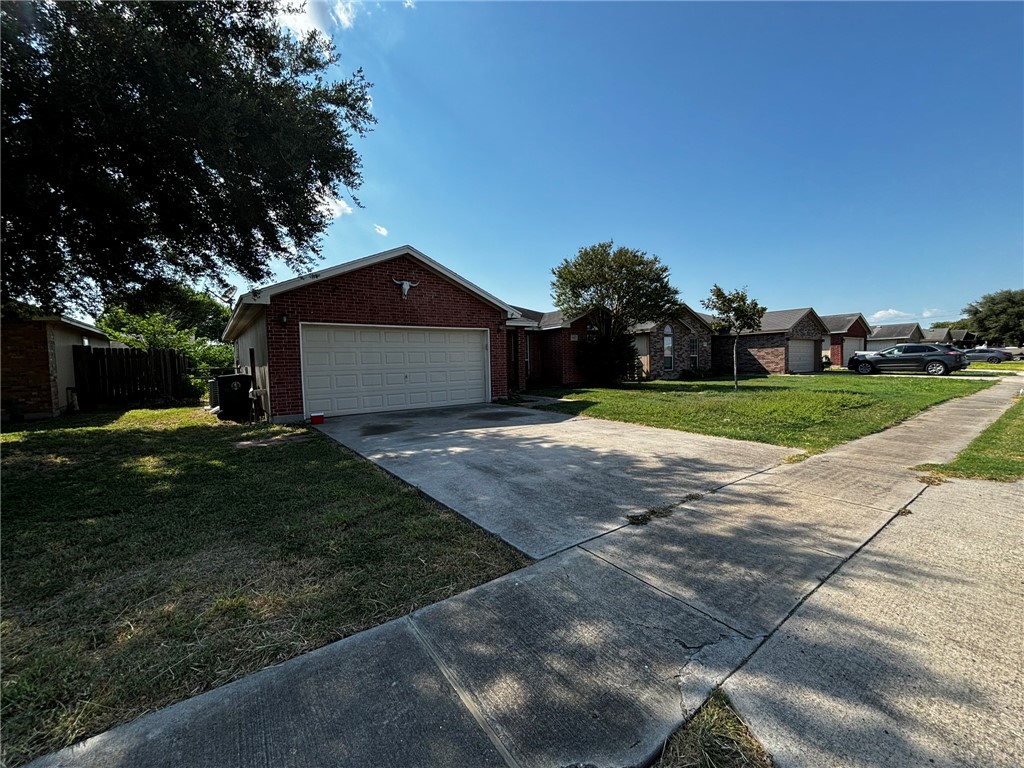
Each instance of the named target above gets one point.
<point>570,352</point>
<point>761,353</point>
<point>28,368</point>
<point>369,297</point>
<point>549,349</point>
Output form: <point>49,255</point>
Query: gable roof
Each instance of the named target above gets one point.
<point>247,306</point>
<point>961,335</point>
<point>936,334</point>
<point>896,331</point>
<point>693,314</point>
<point>843,323</point>
<point>776,321</point>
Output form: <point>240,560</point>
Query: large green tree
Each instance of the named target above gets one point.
<point>954,325</point>
<point>147,140</point>
<point>998,318</point>
<point>735,312</point>
<point>616,288</point>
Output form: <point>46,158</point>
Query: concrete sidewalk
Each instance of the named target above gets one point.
<point>911,655</point>
<point>592,656</point>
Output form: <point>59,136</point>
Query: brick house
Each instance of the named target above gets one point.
<point>847,335</point>
<point>885,336</point>
<point>675,348</point>
<point>391,331</point>
<point>788,341</point>
<point>38,366</point>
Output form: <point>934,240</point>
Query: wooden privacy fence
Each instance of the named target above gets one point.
<point>122,376</point>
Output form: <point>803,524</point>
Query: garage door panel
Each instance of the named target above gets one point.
<point>358,370</point>
<point>801,355</point>
<point>319,382</point>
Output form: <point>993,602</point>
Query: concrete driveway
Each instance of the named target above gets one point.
<point>544,481</point>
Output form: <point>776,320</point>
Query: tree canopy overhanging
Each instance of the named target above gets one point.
<point>145,140</point>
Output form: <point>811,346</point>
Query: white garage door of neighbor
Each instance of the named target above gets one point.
<point>801,355</point>
<point>361,369</point>
<point>851,346</point>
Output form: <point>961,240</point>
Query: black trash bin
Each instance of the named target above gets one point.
<point>233,396</point>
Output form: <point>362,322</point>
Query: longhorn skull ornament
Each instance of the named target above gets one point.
<point>406,285</point>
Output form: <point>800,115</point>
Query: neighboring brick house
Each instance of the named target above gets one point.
<point>676,348</point>
<point>885,336</point>
<point>847,335</point>
<point>549,343</point>
<point>788,341</point>
<point>37,363</point>
<point>392,331</point>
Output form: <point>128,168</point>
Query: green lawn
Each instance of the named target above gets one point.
<point>810,412</point>
<point>1012,365</point>
<point>996,454</point>
<point>146,559</point>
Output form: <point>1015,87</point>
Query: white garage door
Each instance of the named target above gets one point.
<point>851,346</point>
<point>801,355</point>
<point>361,369</point>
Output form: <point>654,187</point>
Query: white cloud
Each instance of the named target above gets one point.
<point>886,315</point>
<point>380,230</point>
<point>933,313</point>
<point>409,4</point>
<point>335,207</point>
<point>303,21</point>
<point>344,12</point>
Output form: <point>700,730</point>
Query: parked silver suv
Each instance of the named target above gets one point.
<point>933,359</point>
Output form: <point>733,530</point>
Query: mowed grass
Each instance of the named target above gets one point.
<point>810,412</point>
<point>1006,367</point>
<point>147,559</point>
<point>996,454</point>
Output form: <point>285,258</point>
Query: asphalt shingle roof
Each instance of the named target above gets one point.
<point>897,331</point>
<point>839,323</point>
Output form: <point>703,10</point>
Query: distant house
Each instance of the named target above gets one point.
<point>788,341</point>
<point>847,335</point>
<point>938,335</point>
<point>885,336</point>
<point>964,339</point>
<point>38,364</point>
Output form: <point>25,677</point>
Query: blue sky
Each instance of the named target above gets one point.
<point>862,157</point>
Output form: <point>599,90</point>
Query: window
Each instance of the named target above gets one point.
<point>693,353</point>
<point>668,362</point>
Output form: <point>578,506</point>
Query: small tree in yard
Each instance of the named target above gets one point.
<point>616,288</point>
<point>734,313</point>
